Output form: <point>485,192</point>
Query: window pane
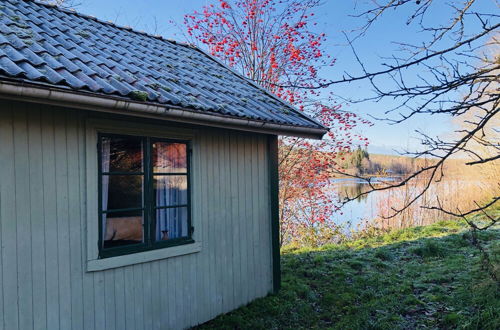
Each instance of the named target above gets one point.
<point>171,223</point>
<point>170,190</point>
<point>121,154</point>
<point>121,192</point>
<point>122,228</point>
<point>169,157</point>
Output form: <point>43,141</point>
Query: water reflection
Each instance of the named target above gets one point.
<point>372,209</point>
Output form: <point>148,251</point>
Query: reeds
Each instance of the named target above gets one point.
<point>461,189</point>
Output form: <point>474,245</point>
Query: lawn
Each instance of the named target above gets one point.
<point>425,277</point>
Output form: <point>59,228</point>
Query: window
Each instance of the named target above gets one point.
<point>144,194</point>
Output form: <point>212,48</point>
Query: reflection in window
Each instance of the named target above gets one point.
<point>169,157</point>
<point>121,193</point>
<point>121,154</point>
<point>144,193</point>
<point>171,190</point>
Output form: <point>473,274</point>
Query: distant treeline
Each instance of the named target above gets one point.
<point>360,162</point>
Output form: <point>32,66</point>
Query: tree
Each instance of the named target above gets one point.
<point>454,72</point>
<point>357,157</point>
<point>274,43</point>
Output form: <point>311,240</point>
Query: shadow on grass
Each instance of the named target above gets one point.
<point>424,277</point>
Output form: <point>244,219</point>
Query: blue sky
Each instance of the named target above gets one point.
<point>335,16</point>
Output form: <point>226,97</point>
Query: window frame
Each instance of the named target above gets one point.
<point>149,206</point>
<point>135,127</point>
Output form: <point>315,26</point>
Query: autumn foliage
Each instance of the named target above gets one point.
<point>277,44</point>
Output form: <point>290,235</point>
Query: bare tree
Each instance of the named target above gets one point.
<point>454,72</point>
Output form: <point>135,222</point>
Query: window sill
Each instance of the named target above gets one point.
<point>142,257</point>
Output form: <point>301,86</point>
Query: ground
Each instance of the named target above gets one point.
<point>426,277</point>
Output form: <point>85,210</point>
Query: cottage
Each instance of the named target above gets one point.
<point>138,177</point>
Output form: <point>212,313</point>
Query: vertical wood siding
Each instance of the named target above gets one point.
<point>43,279</point>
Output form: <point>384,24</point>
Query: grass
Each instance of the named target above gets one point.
<point>425,277</point>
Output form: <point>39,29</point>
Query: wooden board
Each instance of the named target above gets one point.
<point>44,282</point>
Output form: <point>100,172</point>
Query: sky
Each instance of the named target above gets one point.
<point>334,16</point>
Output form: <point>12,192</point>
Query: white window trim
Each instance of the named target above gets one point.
<point>92,128</point>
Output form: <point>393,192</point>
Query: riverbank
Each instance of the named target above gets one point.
<point>423,277</point>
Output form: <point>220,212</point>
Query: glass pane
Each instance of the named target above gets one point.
<point>170,190</point>
<point>122,228</point>
<point>121,192</point>
<point>171,223</point>
<point>169,157</point>
<point>121,154</point>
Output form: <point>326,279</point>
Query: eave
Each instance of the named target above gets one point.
<point>45,94</point>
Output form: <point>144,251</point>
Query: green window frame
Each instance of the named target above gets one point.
<point>149,206</point>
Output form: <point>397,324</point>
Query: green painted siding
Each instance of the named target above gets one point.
<point>43,279</point>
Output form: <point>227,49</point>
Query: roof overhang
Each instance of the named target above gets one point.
<point>40,93</point>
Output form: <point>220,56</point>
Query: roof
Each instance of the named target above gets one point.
<point>49,47</point>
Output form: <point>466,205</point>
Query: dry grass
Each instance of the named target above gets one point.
<point>461,189</point>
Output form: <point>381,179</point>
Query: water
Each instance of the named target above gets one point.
<point>354,214</point>
<point>454,193</point>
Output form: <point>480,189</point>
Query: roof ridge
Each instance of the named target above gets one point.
<point>184,44</point>
<point>180,43</point>
<point>128,53</point>
<point>109,23</point>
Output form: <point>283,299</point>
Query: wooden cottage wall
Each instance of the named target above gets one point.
<point>43,279</point>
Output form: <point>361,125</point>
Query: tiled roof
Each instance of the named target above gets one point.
<point>46,45</point>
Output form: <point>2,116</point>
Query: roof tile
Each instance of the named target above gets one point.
<point>40,44</point>
<point>31,72</point>
<point>9,67</point>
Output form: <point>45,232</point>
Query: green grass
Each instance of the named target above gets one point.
<point>425,277</point>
